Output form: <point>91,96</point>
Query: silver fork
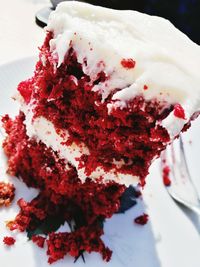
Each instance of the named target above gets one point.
<point>182,188</point>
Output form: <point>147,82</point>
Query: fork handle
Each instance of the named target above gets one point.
<point>195,209</point>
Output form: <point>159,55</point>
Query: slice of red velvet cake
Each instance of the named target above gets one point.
<point>110,90</point>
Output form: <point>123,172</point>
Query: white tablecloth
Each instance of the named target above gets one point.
<point>19,34</point>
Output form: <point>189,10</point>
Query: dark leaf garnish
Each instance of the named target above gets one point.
<point>50,224</point>
<point>128,199</point>
<point>100,222</point>
<point>80,255</point>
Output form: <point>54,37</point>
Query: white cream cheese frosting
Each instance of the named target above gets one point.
<point>166,60</point>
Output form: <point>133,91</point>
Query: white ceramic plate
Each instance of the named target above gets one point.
<point>168,240</point>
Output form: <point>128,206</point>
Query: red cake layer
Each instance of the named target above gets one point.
<point>64,96</point>
<point>62,195</point>
<point>7,193</point>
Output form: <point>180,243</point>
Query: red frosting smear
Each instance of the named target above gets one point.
<point>142,219</point>
<point>145,87</point>
<point>166,179</point>
<point>179,112</point>
<point>9,241</point>
<point>128,63</point>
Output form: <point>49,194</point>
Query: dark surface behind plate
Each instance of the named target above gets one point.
<point>184,14</point>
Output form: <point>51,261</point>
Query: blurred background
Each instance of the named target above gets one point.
<point>184,14</point>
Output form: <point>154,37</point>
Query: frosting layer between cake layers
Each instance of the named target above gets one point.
<point>43,130</point>
<point>140,55</point>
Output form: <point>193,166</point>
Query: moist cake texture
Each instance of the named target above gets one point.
<point>107,88</point>
<point>111,89</point>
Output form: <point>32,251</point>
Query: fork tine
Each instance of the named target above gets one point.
<point>182,188</point>
<point>183,157</point>
<point>185,164</point>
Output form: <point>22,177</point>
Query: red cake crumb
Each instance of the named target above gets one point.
<point>142,220</point>
<point>145,87</point>
<point>62,195</point>
<point>128,63</point>
<point>11,225</point>
<point>7,193</point>
<point>38,240</point>
<point>166,170</point>
<point>9,241</point>
<point>85,239</point>
<point>179,112</point>
<point>142,183</point>
<point>166,179</point>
